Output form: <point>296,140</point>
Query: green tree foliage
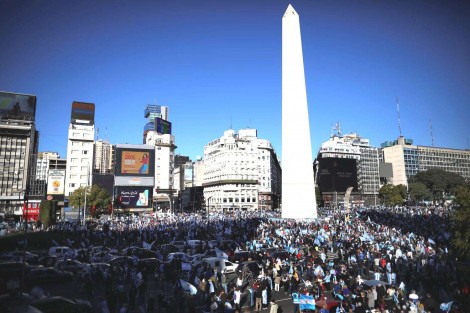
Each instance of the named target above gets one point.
<point>461,220</point>
<point>392,195</point>
<point>439,182</point>
<point>45,213</point>
<point>419,192</point>
<point>96,198</point>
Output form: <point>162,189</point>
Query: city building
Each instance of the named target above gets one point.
<point>103,160</point>
<point>43,161</point>
<point>164,145</point>
<point>151,113</point>
<point>18,144</point>
<point>80,146</point>
<point>298,186</point>
<point>134,178</point>
<point>348,161</point>
<point>241,171</point>
<point>408,159</point>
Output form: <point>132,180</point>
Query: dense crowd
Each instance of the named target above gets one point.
<point>369,259</point>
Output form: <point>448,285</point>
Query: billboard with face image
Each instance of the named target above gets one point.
<point>135,162</point>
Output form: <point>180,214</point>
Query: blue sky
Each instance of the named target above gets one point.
<point>217,64</point>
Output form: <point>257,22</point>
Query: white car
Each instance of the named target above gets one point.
<point>220,264</point>
<point>178,256</point>
<point>62,252</point>
<point>197,259</point>
<point>194,243</point>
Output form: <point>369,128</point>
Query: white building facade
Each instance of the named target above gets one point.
<point>408,159</point>
<point>164,165</point>
<point>103,162</point>
<point>79,157</point>
<point>239,171</point>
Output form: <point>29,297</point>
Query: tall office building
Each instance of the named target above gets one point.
<point>408,159</point>
<point>298,188</point>
<point>103,160</point>
<point>80,146</point>
<point>18,144</point>
<point>241,171</point>
<point>151,112</point>
<point>348,161</point>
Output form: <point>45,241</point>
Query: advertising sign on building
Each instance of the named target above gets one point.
<point>133,181</point>
<point>83,113</point>
<point>135,197</point>
<point>162,126</point>
<point>17,106</point>
<point>56,182</point>
<point>134,162</point>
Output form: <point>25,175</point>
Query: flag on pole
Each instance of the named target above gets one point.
<point>306,302</point>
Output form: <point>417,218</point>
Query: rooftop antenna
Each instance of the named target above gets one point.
<point>231,122</point>
<point>106,133</point>
<point>432,136</point>
<point>398,113</point>
<point>97,132</point>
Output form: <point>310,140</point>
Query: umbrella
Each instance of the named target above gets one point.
<point>374,282</point>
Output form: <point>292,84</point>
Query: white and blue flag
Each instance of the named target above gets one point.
<point>306,302</point>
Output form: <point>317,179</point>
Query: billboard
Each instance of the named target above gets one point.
<point>135,162</point>
<point>83,113</point>
<point>385,170</point>
<point>162,126</point>
<point>56,182</point>
<point>337,174</point>
<point>17,106</point>
<point>134,197</point>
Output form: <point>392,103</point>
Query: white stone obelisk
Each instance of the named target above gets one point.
<point>298,187</point>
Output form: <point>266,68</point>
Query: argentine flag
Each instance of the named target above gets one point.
<point>307,303</point>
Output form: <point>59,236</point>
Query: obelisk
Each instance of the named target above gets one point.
<point>298,187</point>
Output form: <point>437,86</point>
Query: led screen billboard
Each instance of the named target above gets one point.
<point>134,162</point>
<point>83,113</point>
<point>134,197</point>
<point>17,106</point>
<point>162,126</point>
<point>337,174</point>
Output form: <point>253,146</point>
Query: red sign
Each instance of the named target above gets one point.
<point>31,212</point>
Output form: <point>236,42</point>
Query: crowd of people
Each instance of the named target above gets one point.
<point>363,260</point>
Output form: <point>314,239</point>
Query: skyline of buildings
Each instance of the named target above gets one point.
<point>49,174</point>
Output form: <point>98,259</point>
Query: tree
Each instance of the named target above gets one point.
<point>439,182</point>
<point>96,198</point>
<point>47,212</point>
<point>461,218</point>
<point>419,192</point>
<point>392,195</point>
